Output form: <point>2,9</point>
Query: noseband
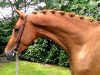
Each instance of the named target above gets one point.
<point>20,35</point>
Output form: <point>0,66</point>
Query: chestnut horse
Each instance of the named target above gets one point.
<point>78,36</point>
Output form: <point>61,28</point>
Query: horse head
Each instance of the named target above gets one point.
<point>22,35</point>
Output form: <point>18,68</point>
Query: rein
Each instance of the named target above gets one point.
<point>21,33</point>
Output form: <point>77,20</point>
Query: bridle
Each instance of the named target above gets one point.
<point>16,53</point>
<point>20,35</point>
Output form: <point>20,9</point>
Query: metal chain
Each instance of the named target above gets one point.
<point>17,61</point>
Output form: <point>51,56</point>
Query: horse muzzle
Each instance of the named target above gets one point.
<point>10,54</point>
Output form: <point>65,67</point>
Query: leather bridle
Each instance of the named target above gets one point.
<point>20,35</point>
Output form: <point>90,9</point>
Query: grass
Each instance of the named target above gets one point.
<point>30,68</point>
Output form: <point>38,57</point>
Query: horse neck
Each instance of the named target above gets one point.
<point>67,30</point>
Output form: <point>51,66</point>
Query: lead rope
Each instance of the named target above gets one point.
<point>17,62</point>
<point>17,46</point>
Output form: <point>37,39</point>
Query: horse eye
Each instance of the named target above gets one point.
<point>16,29</point>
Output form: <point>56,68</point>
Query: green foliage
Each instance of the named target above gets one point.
<point>38,51</point>
<point>81,7</point>
<point>46,51</point>
<point>6,26</point>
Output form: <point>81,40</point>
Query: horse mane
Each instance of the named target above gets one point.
<point>62,13</point>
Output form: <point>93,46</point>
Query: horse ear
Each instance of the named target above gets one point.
<point>20,13</point>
